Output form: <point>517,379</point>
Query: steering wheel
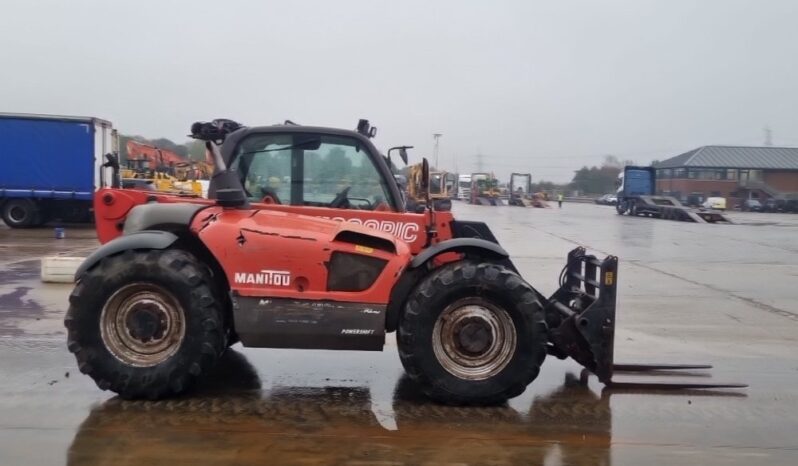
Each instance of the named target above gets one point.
<point>269,196</point>
<point>341,200</point>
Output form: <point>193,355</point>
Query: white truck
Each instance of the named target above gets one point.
<point>464,188</point>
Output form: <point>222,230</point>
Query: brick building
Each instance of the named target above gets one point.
<point>736,173</point>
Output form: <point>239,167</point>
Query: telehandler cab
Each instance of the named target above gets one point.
<point>306,244</point>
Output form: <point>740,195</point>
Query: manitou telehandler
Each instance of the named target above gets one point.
<point>323,258</point>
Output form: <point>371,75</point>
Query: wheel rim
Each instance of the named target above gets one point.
<point>142,324</point>
<point>17,214</point>
<point>473,339</point>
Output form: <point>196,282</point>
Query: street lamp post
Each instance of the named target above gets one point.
<point>437,137</point>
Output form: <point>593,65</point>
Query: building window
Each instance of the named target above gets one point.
<point>710,174</point>
<point>731,174</point>
<point>713,174</point>
<point>680,173</point>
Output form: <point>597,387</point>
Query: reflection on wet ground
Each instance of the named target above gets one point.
<point>233,421</point>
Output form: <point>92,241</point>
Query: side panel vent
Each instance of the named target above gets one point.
<point>366,240</point>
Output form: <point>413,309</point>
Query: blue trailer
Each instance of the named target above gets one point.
<point>637,187</point>
<point>52,166</point>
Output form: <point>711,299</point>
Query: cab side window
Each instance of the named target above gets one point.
<point>340,169</point>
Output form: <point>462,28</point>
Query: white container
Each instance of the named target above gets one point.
<point>60,269</point>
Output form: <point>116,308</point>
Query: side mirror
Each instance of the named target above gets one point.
<point>372,131</point>
<point>403,154</point>
<point>112,160</point>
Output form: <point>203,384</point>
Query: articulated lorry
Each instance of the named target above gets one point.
<point>51,167</point>
<point>636,197</point>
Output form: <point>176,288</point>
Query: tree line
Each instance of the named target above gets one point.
<point>593,180</point>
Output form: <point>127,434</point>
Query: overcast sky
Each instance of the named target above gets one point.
<point>541,87</point>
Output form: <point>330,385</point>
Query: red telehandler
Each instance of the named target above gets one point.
<point>305,243</point>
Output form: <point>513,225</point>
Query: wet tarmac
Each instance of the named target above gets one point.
<point>721,294</point>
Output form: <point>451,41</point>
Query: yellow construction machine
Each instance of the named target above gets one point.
<point>441,186</point>
<point>138,174</point>
<point>521,192</point>
<point>485,189</point>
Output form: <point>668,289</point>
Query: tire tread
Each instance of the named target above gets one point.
<point>443,281</point>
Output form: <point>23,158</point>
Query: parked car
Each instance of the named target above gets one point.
<point>716,203</point>
<point>607,199</point>
<point>751,205</point>
<point>775,205</point>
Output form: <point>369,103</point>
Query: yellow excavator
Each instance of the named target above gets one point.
<point>139,175</point>
<point>441,185</point>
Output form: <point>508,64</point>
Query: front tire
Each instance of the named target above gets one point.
<point>146,324</point>
<point>472,333</point>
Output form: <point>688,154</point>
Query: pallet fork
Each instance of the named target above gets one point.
<point>581,319</point>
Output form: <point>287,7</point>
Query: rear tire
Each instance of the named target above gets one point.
<point>472,333</point>
<point>146,324</point>
<point>20,213</point>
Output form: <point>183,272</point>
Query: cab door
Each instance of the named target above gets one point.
<point>325,175</point>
